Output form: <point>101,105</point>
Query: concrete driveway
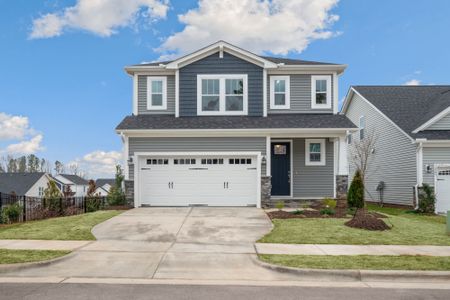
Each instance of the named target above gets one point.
<point>200,243</point>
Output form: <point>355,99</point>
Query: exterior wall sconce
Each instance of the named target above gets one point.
<point>428,168</point>
<point>130,160</point>
<point>263,160</point>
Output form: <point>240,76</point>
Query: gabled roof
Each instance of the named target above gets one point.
<point>75,179</point>
<point>20,183</point>
<point>408,107</point>
<point>102,181</point>
<point>274,121</point>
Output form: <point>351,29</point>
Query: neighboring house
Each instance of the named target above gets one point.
<point>103,186</point>
<point>77,185</point>
<point>24,184</point>
<point>411,125</point>
<point>225,127</point>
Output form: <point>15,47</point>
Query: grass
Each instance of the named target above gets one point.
<point>362,262</point>
<point>408,229</point>
<point>62,228</point>
<point>23,256</point>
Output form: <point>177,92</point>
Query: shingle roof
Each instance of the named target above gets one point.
<point>18,183</point>
<point>102,181</point>
<point>75,179</point>
<point>235,122</point>
<point>410,106</point>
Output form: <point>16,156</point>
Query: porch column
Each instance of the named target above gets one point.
<point>341,167</point>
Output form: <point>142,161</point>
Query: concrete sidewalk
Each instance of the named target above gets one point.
<point>319,249</point>
<point>42,244</point>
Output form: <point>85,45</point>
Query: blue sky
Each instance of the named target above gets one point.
<point>67,79</point>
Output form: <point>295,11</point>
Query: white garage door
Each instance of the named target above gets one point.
<point>443,190</point>
<point>198,180</point>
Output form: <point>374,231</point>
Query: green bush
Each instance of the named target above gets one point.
<point>327,211</point>
<point>116,196</point>
<point>427,200</point>
<point>279,205</point>
<point>298,212</point>
<point>13,212</point>
<point>3,217</point>
<point>328,202</point>
<point>355,197</point>
<point>93,204</point>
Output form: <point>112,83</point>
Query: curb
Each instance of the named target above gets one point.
<point>6,268</point>
<point>358,275</point>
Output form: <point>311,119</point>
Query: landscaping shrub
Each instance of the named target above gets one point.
<point>355,196</point>
<point>13,212</point>
<point>93,204</point>
<point>298,212</point>
<point>116,196</point>
<point>427,200</point>
<point>330,203</point>
<point>327,211</point>
<point>3,217</point>
<point>279,205</point>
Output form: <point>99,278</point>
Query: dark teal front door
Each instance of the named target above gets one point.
<point>280,167</point>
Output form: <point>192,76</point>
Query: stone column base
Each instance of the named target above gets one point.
<point>341,186</point>
<point>129,192</point>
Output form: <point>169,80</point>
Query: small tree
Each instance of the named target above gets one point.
<point>116,195</point>
<point>93,201</point>
<point>427,200</point>
<point>67,191</point>
<point>52,196</point>
<point>355,196</point>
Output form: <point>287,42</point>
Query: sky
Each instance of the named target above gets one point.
<point>63,89</point>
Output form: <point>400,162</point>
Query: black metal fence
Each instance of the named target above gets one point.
<point>24,208</point>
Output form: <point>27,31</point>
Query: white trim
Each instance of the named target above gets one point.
<point>435,143</point>
<point>343,158</point>
<point>335,93</point>
<point>125,155</point>
<point>433,120</point>
<point>177,93</point>
<point>264,93</point>
<point>349,98</point>
<point>287,86</point>
<point>137,155</point>
<point>335,163</point>
<point>222,96</point>
<point>314,105</point>
<point>323,158</point>
<point>150,79</point>
<point>291,162</point>
<point>135,94</point>
<point>268,155</point>
<point>419,164</point>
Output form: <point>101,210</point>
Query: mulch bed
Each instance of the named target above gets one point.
<point>118,207</point>
<point>368,221</point>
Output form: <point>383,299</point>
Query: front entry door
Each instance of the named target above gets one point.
<point>281,168</point>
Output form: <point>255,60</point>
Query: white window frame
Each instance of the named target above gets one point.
<point>362,128</point>
<point>150,106</point>
<point>322,161</point>
<point>222,109</point>
<point>314,105</point>
<point>287,85</point>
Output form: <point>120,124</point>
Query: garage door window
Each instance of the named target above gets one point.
<point>159,161</point>
<point>212,161</point>
<point>240,161</point>
<point>184,161</point>
<point>444,173</point>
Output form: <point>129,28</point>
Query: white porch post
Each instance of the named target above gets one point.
<point>268,155</point>
<point>343,159</point>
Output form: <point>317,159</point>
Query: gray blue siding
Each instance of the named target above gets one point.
<point>199,144</point>
<point>142,96</point>
<point>442,124</point>
<point>300,95</point>
<point>394,159</point>
<point>213,64</point>
<point>432,156</point>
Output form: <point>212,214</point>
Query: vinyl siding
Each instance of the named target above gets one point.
<point>198,144</point>
<point>213,64</point>
<point>442,124</point>
<point>394,160</point>
<point>300,93</point>
<point>312,181</point>
<point>432,156</point>
<point>142,96</point>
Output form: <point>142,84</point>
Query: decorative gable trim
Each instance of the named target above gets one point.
<point>433,120</point>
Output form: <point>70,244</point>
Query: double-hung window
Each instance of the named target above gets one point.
<point>315,152</point>
<point>156,93</point>
<point>321,92</point>
<point>222,94</point>
<point>362,127</point>
<point>279,92</point>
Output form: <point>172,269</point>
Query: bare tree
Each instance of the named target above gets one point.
<point>361,152</point>
<point>73,169</point>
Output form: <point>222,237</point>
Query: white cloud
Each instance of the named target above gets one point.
<point>14,127</point>
<point>413,82</point>
<point>99,163</point>
<point>278,26</point>
<point>101,17</point>
<point>32,145</point>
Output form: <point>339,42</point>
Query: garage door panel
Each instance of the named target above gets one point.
<point>442,190</point>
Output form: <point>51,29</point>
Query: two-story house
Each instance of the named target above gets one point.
<point>225,127</point>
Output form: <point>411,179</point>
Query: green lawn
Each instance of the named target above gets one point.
<point>362,262</point>
<point>408,229</point>
<point>63,228</point>
<point>22,256</point>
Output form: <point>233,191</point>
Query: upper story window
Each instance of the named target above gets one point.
<point>320,92</point>
<point>315,152</point>
<point>222,94</point>
<point>362,127</point>
<point>156,93</point>
<point>280,92</point>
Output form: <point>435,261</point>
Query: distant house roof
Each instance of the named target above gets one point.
<point>410,106</point>
<point>102,181</point>
<point>279,121</point>
<point>19,183</point>
<point>75,179</point>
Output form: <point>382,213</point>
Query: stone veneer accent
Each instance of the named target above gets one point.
<point>266,190</point>
<point>129,192</point>
<point>341,186</point>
